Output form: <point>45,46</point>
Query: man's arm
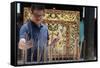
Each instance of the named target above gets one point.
<point>22,39</point>
<point>21,44</point>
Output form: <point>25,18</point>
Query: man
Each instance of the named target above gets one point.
<point>35,30</point>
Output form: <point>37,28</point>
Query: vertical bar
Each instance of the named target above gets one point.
<point>32,51</point>
<point>44,57</point>
<point>25,51</point>
<point>83,12</point>
<point>18,7</point>
<point>23,56</point>
<point>95,13</point>
<point>38,58</point>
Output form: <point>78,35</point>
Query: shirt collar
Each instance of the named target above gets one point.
<point>38,26</point>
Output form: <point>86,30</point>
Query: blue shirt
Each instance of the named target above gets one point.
<point>38,34</point>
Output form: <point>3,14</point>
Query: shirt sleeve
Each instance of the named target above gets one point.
<point>23,31</point>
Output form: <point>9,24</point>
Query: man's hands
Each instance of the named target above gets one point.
<point>25,45</point>
<point>55,40</point>
<point>21,44</point>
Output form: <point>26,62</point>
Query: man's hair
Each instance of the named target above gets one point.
<point>37,7</point>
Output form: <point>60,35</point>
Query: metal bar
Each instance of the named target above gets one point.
<point>23,56</point>
<point>44,57</point>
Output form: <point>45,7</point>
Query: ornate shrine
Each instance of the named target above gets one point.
<point>64,23</point>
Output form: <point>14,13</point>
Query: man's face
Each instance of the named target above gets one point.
<point>38,16</point>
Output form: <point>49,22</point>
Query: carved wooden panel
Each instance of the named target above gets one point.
<point>66,24</point>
